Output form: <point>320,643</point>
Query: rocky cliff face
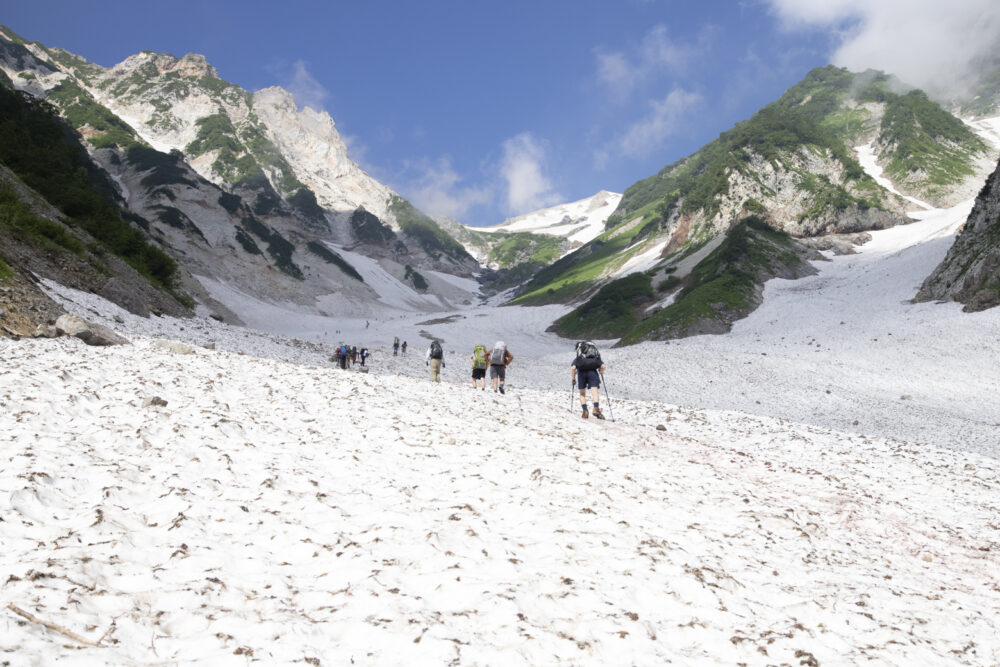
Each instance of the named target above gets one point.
<point>970,272</point>
<point>252,196</point>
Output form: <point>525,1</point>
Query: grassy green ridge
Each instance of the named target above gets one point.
<point>722,286</point>
<point>916,127</point>
<point>335,259</point>
<point>570,277</point>
<point>611,313</point>
<point>795,120</point>
<point>46,155</point>
<point>517,247</point>
<point>823,113</point>
<point>5,273</point>
<point>420,227</point>
<point>80,110</point>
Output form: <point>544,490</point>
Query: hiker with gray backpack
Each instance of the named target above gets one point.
<point>435,359</point>
<point>479,360</point>
<point>500,358</point>
<point>587,370</point>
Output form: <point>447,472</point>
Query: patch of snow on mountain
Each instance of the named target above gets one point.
<point>579,221</point>
<point>866,156</point>
<point>392,291</point>
<point>642,261</point>
<point>988,129</point>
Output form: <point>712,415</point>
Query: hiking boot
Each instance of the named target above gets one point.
<point>585,413</point>
<point>501,390</point>
<point>598,413</point>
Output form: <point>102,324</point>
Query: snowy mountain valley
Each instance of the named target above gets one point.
<point>819,484</point>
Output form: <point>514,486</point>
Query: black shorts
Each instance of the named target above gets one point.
<point>478,373</point>
<point>498,371</point>
<point>585,379</point>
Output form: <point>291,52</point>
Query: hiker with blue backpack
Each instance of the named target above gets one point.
<point>435,359</point>
<point>587,370</point>
<point>479,360</point>
<point>500,358</point>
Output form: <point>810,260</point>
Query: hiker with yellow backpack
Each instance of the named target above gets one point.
<point>480,362</point>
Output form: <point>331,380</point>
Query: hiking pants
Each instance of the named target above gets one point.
<point>435,370</point>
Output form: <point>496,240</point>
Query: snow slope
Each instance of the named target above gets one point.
<point>579,221</point>
<point>290,514</point>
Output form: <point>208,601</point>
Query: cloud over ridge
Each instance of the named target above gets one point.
<point>931,44</point>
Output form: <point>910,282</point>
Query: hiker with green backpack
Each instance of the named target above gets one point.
<point>479,362</point>
<point>587,370</point>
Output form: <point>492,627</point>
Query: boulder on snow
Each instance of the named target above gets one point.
<point>88,332</point>
<point>46,331</point>
<point>174,346</point>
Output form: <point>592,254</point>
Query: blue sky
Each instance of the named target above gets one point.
<point>483,110</point>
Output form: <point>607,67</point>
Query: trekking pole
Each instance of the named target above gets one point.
<point>572,386</point>
<point>610,411</point>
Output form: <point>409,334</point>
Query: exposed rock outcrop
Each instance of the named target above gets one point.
<point>970,272</point>
<point>88,332</point>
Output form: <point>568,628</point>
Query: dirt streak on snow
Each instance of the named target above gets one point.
<point>283,512</point>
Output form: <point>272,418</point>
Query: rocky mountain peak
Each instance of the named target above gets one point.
<point>190,65</point>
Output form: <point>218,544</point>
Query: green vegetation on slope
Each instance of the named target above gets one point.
<point>17,217</point>
<point>519,247</point>
<point>926,138</point>
<point>101,127</point>
<point>37,146</point>
<point>611,312</point>
<point>5,273</point>
<point>570,277</point>
<point>419,226</point>
<point>215,132</point>
<point>722,287</point>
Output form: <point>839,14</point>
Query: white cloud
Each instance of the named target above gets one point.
<point>661,122</point>
<point>437,190</point>
<point>307,90</point>
<point>522,168</point>
<point>656,54</point>
<point>928,43</point>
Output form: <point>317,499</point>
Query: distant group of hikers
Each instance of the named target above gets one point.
<point>586,370</point>
<point>348,355</point>
<point>481,360</point>
<point>396,346</point>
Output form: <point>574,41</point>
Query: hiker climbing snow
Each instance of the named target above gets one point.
<point>500,358</point>
<point>435,359</point>
<point>587,370</point>
<point>479,362</point>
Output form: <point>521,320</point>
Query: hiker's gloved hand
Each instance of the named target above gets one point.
<point>444,365</point>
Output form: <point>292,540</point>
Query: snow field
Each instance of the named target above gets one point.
<point>284,513</point>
